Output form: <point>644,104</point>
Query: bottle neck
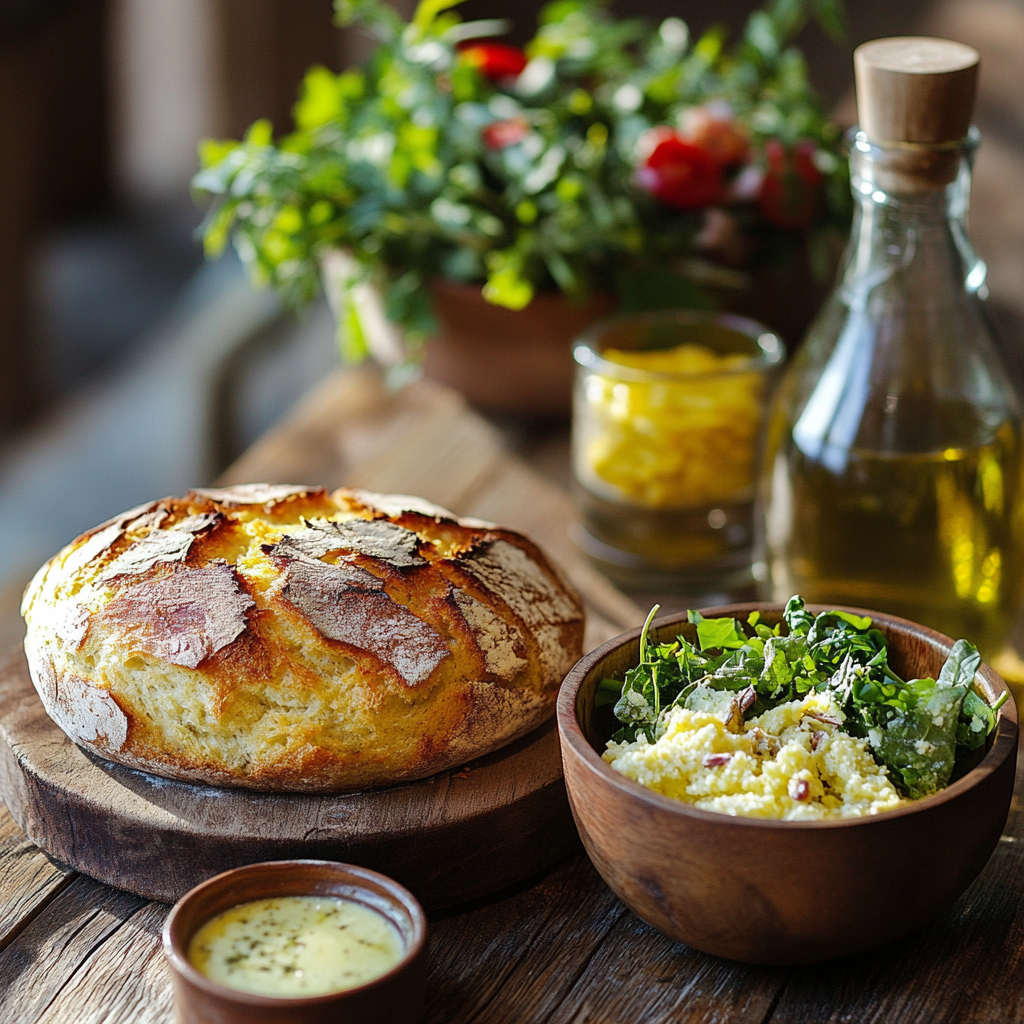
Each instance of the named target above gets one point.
<point>911,213</point>
<point>903,346</point>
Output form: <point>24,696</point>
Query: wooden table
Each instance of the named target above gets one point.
<point>559,948</point>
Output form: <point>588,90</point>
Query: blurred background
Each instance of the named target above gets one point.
<point>128,367</point>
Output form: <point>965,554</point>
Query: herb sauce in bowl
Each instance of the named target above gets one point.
<point>296,946</point>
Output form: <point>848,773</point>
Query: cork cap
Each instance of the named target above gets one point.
<point>915,89</point>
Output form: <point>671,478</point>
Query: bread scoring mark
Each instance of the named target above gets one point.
<point>288,550</point>
<point>395,505</point>
<point>183,617</point>
<point>148,521</point>
<point>376,538</point>
<point>511,574</point>
<point>71,623</point>
<point>312,542</point>
<point>342,607</point>
<point>199,523</point>
<point>556,656</point>
<point>159,546</point>
<point>133,513</point>
<point>500,643</point>
<point>255,494</point>
<point>102,537</point>
<point>249,658</point>
<point>92,548</point>
<point>85,712</point>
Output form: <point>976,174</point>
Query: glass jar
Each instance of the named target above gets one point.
<point>667,416</point>
<point>893,470</point>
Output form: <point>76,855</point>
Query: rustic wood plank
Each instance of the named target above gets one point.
<point>567,950</point>
<point>426,440</point>
<point>338,424</point>
<point>639,970</point>
<point>28,878</point>
<point>98,993</point>
<point>450,837</point>
<point>448,450</point>
<point>964,968</point>
<point>48,952</point>
<point>513,959</point>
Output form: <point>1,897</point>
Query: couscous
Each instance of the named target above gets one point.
<point>801,720</point>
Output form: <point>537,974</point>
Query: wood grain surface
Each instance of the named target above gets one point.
<point>559,948</point>
<point>451,837</point>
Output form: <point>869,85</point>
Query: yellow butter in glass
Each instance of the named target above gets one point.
<point>667,415</point>
<point>685,439</point>
<point>296,946</point>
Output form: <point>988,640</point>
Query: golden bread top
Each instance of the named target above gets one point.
<point>393,578</point>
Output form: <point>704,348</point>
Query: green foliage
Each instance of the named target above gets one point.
<point>392,162</point>
<point>917,729</point>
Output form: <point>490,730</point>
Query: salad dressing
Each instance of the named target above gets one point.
<point>296,946</point>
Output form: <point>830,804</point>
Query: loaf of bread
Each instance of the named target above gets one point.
<point>283,638</point>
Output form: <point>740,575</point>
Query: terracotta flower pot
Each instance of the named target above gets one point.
<point>520,362</point>
<point>504,360</point>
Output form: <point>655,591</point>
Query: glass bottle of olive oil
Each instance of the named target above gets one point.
<point>893,466</point>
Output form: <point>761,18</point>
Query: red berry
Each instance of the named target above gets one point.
<point>500,134</point>
<point>680,174</point>
<point>716,131</point>
<point>495,61</point>
<point>791,193</point>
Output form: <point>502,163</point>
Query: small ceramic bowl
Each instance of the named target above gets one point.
<point>394,998</point>
<point>781,892</point>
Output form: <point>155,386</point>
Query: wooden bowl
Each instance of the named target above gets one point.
<point>781,892</point>
<point>396,997</point>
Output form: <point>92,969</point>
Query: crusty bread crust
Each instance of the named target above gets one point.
<point>280,638</point>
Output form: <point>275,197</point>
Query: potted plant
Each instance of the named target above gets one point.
<point>473,202</point>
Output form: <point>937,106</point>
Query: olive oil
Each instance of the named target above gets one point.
<point>936,537</point>
<point>892,472</point>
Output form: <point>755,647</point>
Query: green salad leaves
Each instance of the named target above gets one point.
<point>917,728</point>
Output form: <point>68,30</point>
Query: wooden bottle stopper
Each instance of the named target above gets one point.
<point>915,89</point>
<point>913,93</point>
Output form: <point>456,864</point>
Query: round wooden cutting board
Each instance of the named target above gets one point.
<point>449,838</point>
